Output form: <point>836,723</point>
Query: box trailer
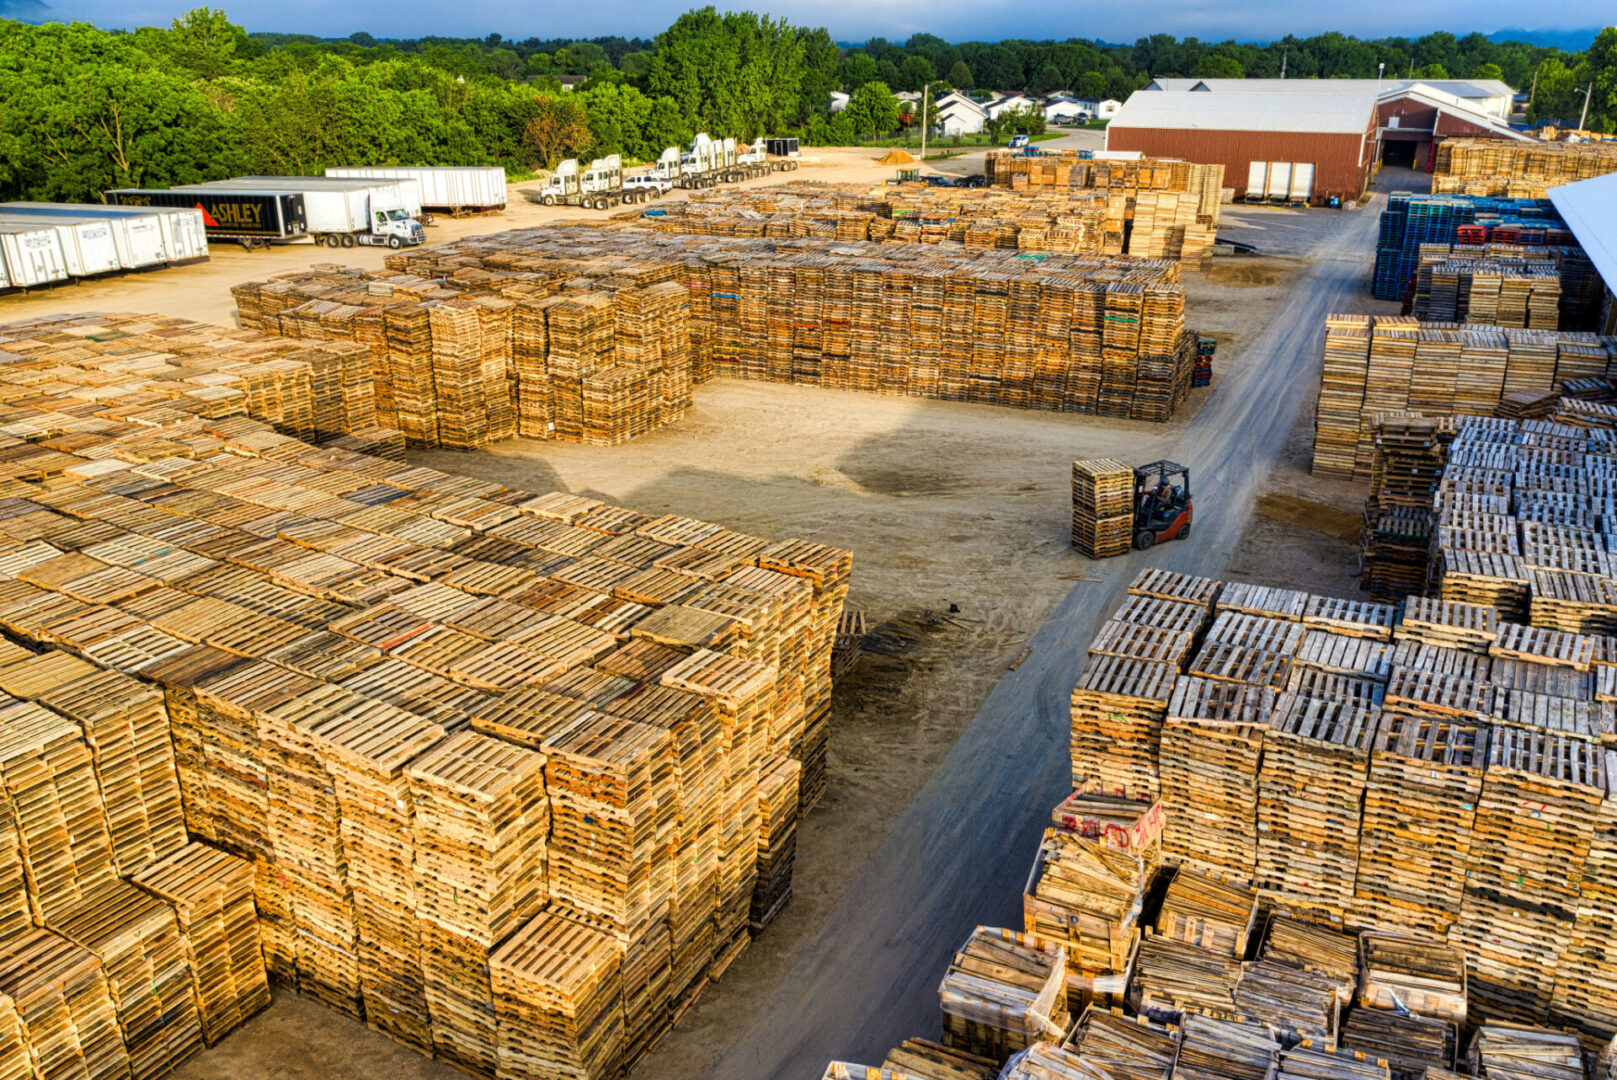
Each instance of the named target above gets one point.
<point>342,212</point>
<point>1257,181</point>
<point>143,235</point>
<point>1302,183</point>
<point>31,254</point>
<point>87,245</point>
<point>250,218</point>
<point>455,189</point>
<point>184,236</point>
<point>1279,180</point>
<point>399,192</point>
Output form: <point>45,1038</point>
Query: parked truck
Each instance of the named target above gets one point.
<point>343,213</point>
<point>680,169</point>
<point>596,188</point>
<point>249,218</point>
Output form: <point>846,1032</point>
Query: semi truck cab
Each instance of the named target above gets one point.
<point>395,228</point>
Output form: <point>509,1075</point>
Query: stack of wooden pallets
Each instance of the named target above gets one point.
<point>779,780</point>
<point>1213,913</point>
<point>1003,992</point>
<point>1117,712</point>
<point>1085,893</point>
<point>212,896</point>
<point>63,1006</point>
<point>1212,743</point>
<point>558,1000</point>
<point>1311,785</point>
<point>1102,507</point>
<point>1172,977</point>
<point>1521,896</point>
<point>1132,1048</point>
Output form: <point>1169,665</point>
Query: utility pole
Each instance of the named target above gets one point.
<point>1380,67</point>
<point>1285,52</point>
<point>1532,94</point>
<point>926,90</point>
<point>1584,116</point>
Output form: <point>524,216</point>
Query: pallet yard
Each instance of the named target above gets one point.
<point>1492,167</point>
<point>1128,217</point>
<point>509,776</point>
<point>1087,334</point>
<point>1396,364</point>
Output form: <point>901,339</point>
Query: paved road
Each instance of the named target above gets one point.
<point>958,855</point>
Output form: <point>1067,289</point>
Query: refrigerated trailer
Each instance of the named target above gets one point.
<point>249,218</point>
<point>87,244</point>
<point>401,192</point>
<point>30,255</point>
<point>455,189</point>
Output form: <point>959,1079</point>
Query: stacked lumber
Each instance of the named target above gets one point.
<point>1413,1046</point>
<point>1234,1049</point>
<point>1130,1048</point>
<point>1003,992</point>
<point>1212,743</point>
<point>1316,949</point>
<point>934,1061</point>
<point>211,892</point>
<point>1411,975</point>
<point>1172,977</point>
<point>1289,999</point>
<point>1511,1052</point>
<point>1085,894</point>
<point>1214,914</point>
<point>1316,755</point>
<point>1102,508</point>
<point>1305,1062</point>
<point>1522,874</point>
<point>558,1000</point>
<point>64,1007</point>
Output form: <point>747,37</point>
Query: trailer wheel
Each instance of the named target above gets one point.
<point>348,239</point>
<point>395,243</point>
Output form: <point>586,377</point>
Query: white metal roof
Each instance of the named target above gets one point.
<point>1457,106</point>
<point>1296,112</point>
<point>1464,88</point>
<point>1586,208</point>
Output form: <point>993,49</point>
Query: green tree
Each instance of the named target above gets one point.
<point>960,76</point>
<point>617,120</point>
<point>1046,80</point>
<point>1487,71</point>
<point>915,72</point>
<point>857,69</point>
<point>204,40</point>
<point>1601,64</point>
<point>872,109</point>
<point>1217,66</point>
<point>821,57</point>
<point>1433,70</point>
<point>559,129</point>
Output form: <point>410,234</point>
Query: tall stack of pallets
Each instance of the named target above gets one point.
<point>1102,507</point>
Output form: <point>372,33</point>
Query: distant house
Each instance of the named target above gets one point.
<point>958,114</point>
<point>569,82</point>
<point>839,101</point>
<point>1100,108</point>
<point>1063,108</point>
<point>1008,103</point>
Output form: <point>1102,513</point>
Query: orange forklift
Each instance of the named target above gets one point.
<point>1162,506</point>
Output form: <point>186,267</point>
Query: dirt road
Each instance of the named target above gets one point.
<point>957,856</point>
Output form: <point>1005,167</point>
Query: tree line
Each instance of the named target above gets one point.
<point>88,109</point>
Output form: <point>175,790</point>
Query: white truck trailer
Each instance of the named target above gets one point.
<point>143,235</point>
<point>30,255</point>
<point>338,213</point>
<point>453,189</point>
<point>87,246</point>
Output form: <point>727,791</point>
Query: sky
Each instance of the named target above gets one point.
<point>855,20</point>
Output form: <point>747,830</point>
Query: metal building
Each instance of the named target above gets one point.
<point>1276,147</point>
